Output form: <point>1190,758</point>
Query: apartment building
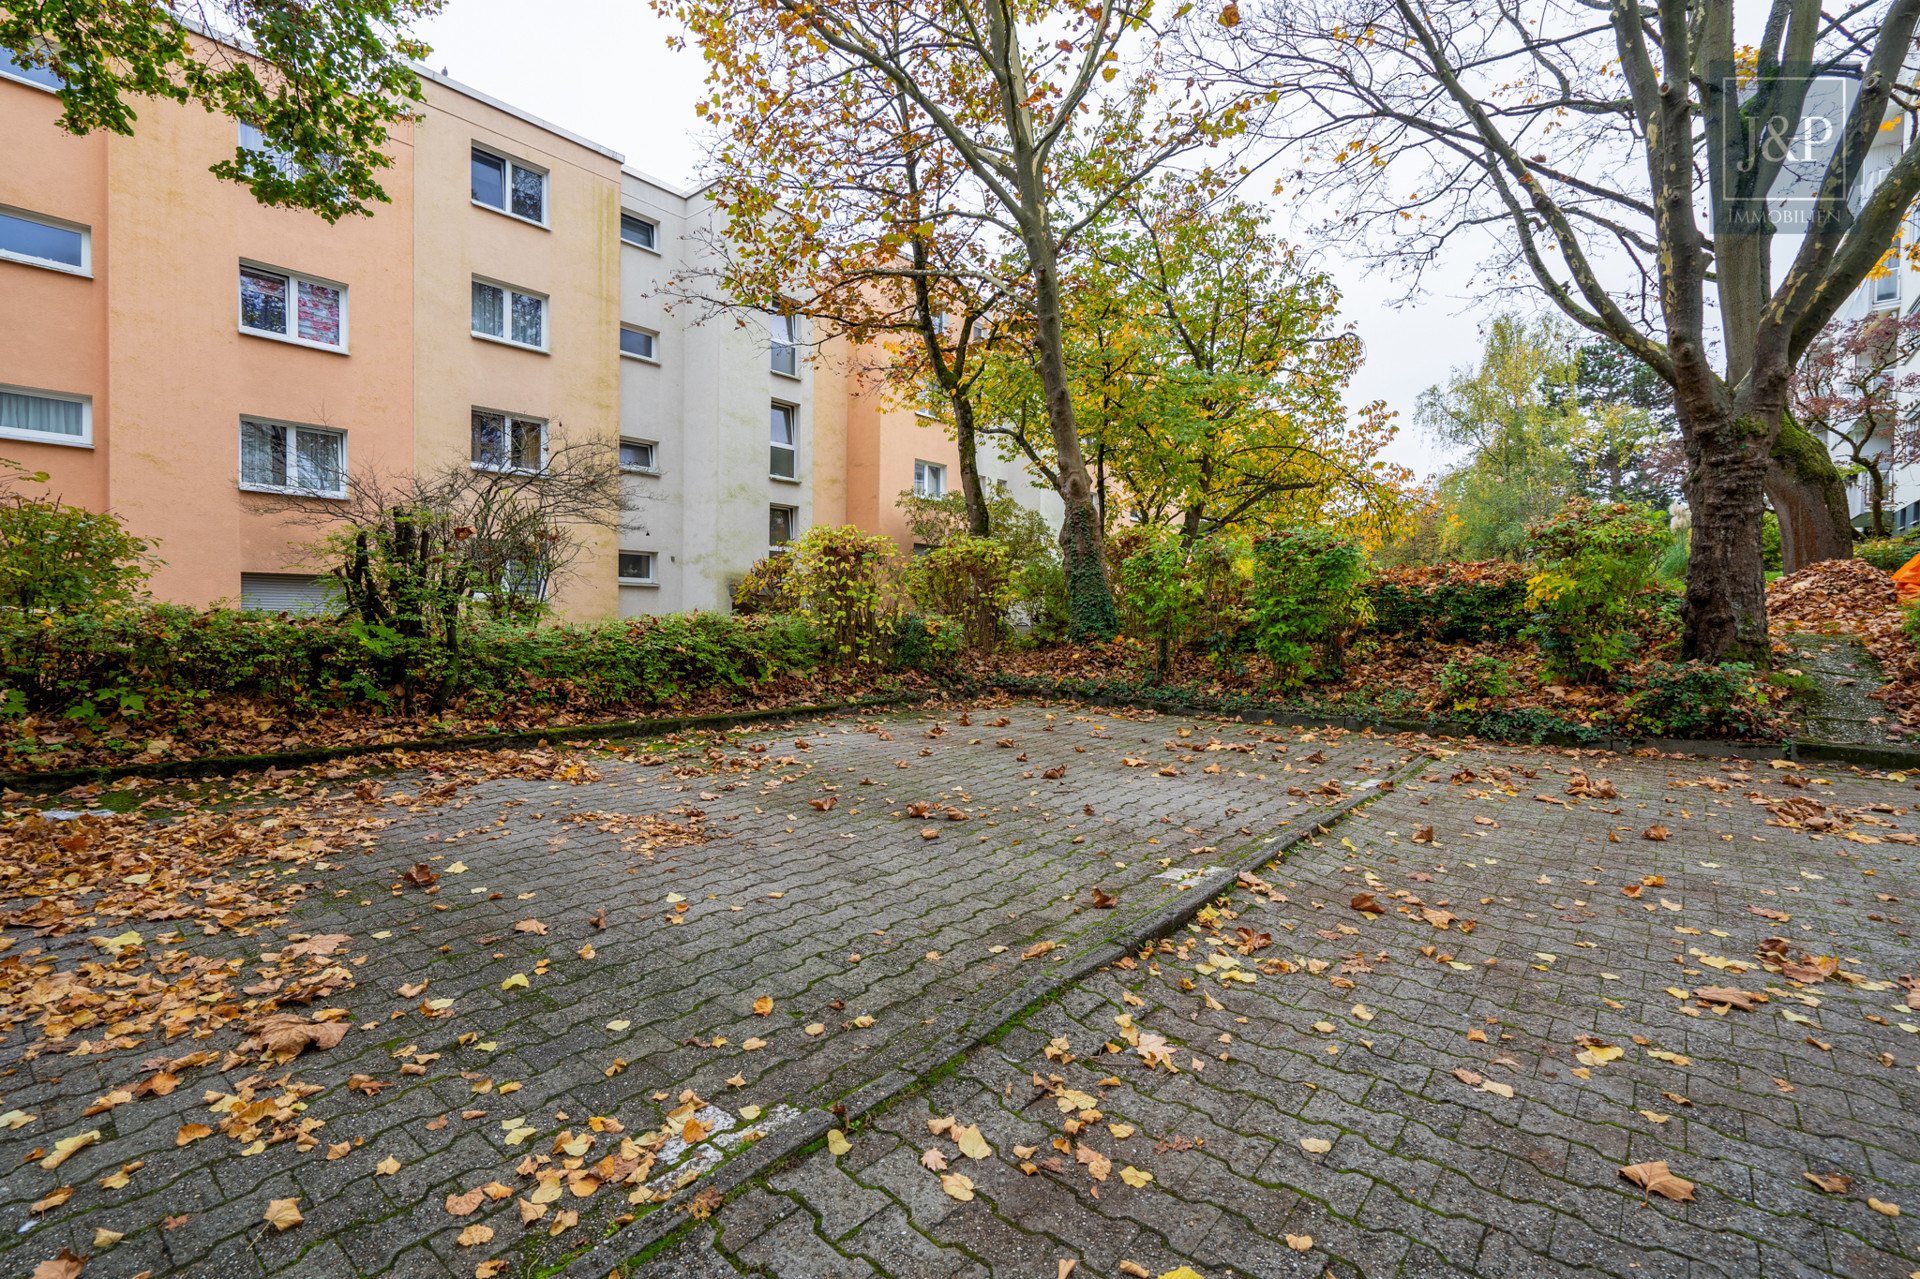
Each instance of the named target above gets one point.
<point>214,371</point>
<point>176,353</point>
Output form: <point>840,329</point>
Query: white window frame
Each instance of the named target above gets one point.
<point>793,423</point>
<point>630,469</point>
<point>6,73</point>
<point>789,346</point>
<point>793,526</point>
<point>935,469</point>
<point>84,440</point>
<point>506,315</point>
<point>543,423</point>
<point>650,334</point>
<point>294,430</point>
<point>627,215</point>
<point>653,568</point>
<point>513,162</point>
<point>294,280</point>
<point>59,224</point>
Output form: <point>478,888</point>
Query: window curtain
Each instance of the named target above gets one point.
<point>42,414</point>
<point>489,310</point>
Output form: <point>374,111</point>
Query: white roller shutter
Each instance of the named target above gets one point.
<point>283,593</point>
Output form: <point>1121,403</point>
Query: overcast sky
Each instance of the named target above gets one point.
<point>602,68</point>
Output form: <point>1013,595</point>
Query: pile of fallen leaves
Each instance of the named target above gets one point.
<point>1852,597</point>
<point>245,726</point>
<point>1836,593</point>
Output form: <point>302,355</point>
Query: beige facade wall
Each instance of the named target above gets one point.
<point>153,336</point>
<point>573,259</point>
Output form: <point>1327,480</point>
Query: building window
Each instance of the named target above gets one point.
<point>46,416</point>
<point>508,442</point>
<point>636,342</point>
<point>638,231</point>
<point>780,522</point>
<point>299,593</point>
<point>12,68</point>
<point>1886,289</point>
<point>281,458</point>
<point>638,455</point>
<point>293,308</point>
<point>37,241</point>
<point>929,479</point>
<point>501,184</point>
<point>509,315</point>
<point>636,567</point>
<point>780,463</point>
<point>786,336</point>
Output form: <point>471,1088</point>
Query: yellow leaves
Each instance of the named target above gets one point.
<point>693,1132</point>
<point>67,1147</point>
<point>1098,1165</point>
<point>475,1235</point>
<point>104,1238</point>
<point>837,1143</point>
<point>191,1133</point>
<point>284,1214</point>
<point>119,1180</point>
<point>546,1192</point>
<point>516,982</point>
<point>1599,1055</point>
<point>753,1045</point>
<point>958,1186</point>
<point>386,1167</point>
<point>1134,1177</point>
<point>53,1200</point>
<point>1315,1145</point>
<point>586,950</point>
<point>763,1006</point>
<point>1884,1209</point>
<point>749,1113</point>
<point>971,1143</point>
<point>1677,1059</point>
<point>563,1222</point>
<point>933,1159</point>
<point>531,926</point>
<point>816,1028</point>
<point>1655,1178</point>
<point>530,1212</point>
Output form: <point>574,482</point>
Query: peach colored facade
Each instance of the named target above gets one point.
<point>570,256</point>
<point>150,333</point>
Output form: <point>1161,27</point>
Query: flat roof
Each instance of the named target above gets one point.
<point>532,119</point>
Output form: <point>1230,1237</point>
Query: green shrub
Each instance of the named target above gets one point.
<point>59,556</point>
<point>968,579</point>
<point>1887,553</point>
<point>1593,558</point>
<point>840,580</point>
<point>767,587</point>
<point>1695,700</point>
<point>151,663</point>
<point>1465,680</point>
<point>925,643</point>
<point>1306,601</point>
<point>1450,603</point>
<point>1160,594</point>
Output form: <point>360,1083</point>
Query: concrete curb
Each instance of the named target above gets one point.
<point>607,1259</point>
<point>223,765</point>
<point>1867,756</point>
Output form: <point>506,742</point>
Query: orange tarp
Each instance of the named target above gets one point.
<point>1907,578</point>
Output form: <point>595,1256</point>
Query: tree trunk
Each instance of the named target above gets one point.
<point>1726,599</point>
<point>1809,498</point>
<point>1090,611</point>
<point>1877,501</point>
<point>977,522</point>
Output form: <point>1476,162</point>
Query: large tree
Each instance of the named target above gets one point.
<point>322,80</point>
<point>1628,161</point>
<point>1052,110</point>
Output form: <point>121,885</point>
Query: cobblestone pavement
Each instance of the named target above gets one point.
<point>1411,1100</point>
<point>836,914</point>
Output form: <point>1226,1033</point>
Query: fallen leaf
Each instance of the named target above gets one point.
<point>1098,1165</point>
<point>54,1199</point>
<point>1103,900</point>
<point>67,1147</point>
<point>1884,1209</point>
<point>104,1238</point>
<point>65,1266</point>
<point>462,1205</point>
<point>531,1212</point>
<point>284,1214</point>
<point>753,1045</point>
<point>531,926</point>
<point>1833,1184</point>
<point>1134,1177</point>
<point>1655,1178</point>
<point>475,1235</point>
<point>932,1158</point>
<point>1319,1145</point>
<point>190,1133</point>
<point>490,1269</point>
<point>971,1143</point>
<point>763,1006</point>
<point>1300,1243</point>
<point>837,1143</point>
<point>387,1167</point>
<point>1654,833</point>
<point>958,1185</point>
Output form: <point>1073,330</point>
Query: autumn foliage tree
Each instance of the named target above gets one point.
<point>1042,114</point>
<point>1856,388</point>
<point>1628,163</point>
